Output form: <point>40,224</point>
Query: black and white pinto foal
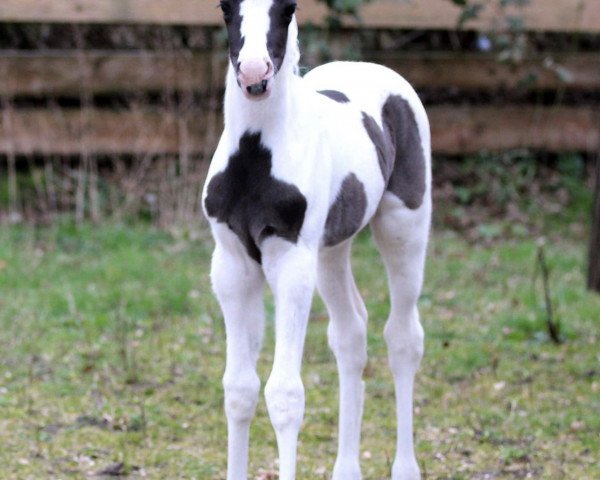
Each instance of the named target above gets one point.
<point>303,165</point>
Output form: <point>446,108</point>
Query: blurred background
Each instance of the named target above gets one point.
<point>111,343</point>
<point>113,107</point>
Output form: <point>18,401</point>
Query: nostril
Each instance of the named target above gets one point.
<point>269,68</point>
<point>258,88</point>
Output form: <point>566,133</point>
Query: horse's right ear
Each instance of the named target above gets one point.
<point>290,9</point>
<point>225,7</point>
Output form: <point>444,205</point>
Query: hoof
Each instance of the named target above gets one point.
<point>406,470</point>
<point>346,472</point>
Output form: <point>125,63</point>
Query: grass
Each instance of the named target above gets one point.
<point>113,348</point>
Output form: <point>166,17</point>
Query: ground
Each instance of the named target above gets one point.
<point>113,349</point>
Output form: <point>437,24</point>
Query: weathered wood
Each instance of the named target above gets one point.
<point>185,12</point>
<point>97,72</point>
<point>539,15</point>
<point>67,132</point>
<point>577,71</point>
<point>559,15</point>
<point>460,130</point>
<point>455,130</point>
<point>594,262</point>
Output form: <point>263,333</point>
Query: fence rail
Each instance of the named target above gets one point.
<point>154,131</point>
<point>539,15</point>
<point>456,129</point>
<point>180,130</point>
<point>97,72</point>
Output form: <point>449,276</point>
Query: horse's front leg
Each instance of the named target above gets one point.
<point>291,273</point>
<point>238,283</point>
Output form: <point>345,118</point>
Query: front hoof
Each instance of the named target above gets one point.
<point>346,472</point>
<point>406,470</point>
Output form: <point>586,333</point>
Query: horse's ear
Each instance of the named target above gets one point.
<point>290,9</point>
<point>226,8</point>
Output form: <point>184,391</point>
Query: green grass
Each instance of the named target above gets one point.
<point>112,350</point>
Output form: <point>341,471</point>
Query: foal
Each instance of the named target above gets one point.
<point>302,166</point>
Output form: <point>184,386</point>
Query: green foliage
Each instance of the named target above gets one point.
<point>344,7</point>
<point>339,9</point>
<point>513,194</point>
<point>469,12</point>
<point>478,3</point>
<point>507,32</point>
<point>321,45</point>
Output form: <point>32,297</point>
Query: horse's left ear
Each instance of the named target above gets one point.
<point>290,9</point>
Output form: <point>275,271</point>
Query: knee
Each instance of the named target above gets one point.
<point>349,345</point>
<point>232,277</point>
<point>405,342</point>
<point>285,402</point>
<point>241,397</point>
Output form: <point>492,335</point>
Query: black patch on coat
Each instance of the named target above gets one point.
<point>347,212</point>
<point>399,149</point>
<point>233,22</point>
<point>407,181</point>
<point>281,14</point>
<point>252,202</point>
<point>335,95</point>
<point>383,144</point>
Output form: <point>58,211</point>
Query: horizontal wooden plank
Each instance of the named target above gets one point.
<point>539,15</point>
<point>70,132</point>
<point>559,15</point>
<point>455,130</point>
<point>569,71</point>
<point>71,73</point>
<point>459,130</point>
<point>164,12</point>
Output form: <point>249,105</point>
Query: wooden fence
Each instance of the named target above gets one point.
<point>35,122</point>
<point>457,128</point>
<point>542,15</point>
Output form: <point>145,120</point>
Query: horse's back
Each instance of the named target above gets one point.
<point>393,117</point>
<point>368,86</point>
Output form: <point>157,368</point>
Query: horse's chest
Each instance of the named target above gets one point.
<point>252,202</point>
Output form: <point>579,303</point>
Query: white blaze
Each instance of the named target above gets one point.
<point>254,30</point>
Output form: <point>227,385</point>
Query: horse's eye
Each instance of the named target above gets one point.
<point>289,10</point>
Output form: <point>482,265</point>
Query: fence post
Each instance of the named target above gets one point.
<point>594,267</point>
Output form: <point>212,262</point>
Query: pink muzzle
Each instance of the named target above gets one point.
<point>255,76</point>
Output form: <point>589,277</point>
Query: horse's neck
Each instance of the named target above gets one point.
<point>242,114</point>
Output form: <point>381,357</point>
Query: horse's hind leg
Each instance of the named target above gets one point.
<point>347,338</point>
<point>401,237</point>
